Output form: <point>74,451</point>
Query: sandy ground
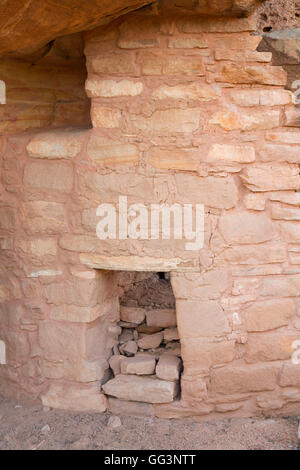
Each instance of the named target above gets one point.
<point>32,427</point>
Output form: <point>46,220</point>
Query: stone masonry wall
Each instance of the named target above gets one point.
<point>183,110</point>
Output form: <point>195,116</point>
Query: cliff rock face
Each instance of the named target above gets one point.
<point>26,26</point>
<point>279,14</point>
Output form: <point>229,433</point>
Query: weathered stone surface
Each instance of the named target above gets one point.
<point>138,365</point>
<point>75,397</point>
<point>287,286</point>
<point>245,56</point>
<point>56,145</point>
<point>269,347</point>
<point>245,228</point>
<point>258,74</point>
<point>232,120</point>
<point>207,286</point>
<point>290,375</point>
<point>234,153</point>
<point>132,314</point>
<point>155,64</point>
<point>168,367</point>
<point>199,353</point>
<point>174,159</point>
<point>44,217</point>
<point>261,97</point>
<point>292,117</point>
<point>162,318</point>
<point>280,212</point>
<point>216,25</point>
<point>187,43</point>
<point>288,137</point>
<point>291,231</point>
<point>170,334</point>
<point>169,121</point>
<point>221,193</point>
<point>243,379</point>
<point>256,254</point>
<point>144,389</point>
<point>115,363</point>
<point>129,349</point>
<point>112,88</point>
<point>286,197</point>
<point>109,152</point>
<point>49,176</point>
<point>199,319</point>
<point>255,201</point>
<point>150,341</point>
<point>107,118</point>
<point>273,177</point>
<point>280,153</point>
<point>194,91</point>
<point>268,315</point>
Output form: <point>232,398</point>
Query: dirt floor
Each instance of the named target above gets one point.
<point>31,427</point>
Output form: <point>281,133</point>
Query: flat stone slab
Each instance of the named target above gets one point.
<point>168,367</point>
<point>150,341</point>
<point>139,365</point>
<point>143,389</point>
<point>163,318</point>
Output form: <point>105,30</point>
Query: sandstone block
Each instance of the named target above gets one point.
<point>218,25</point>
<point>269,347</point>
<point>170,334</point>
<point>291,231</point>
<point>51,176</point>
<point>161,318</point>
<point>287,286</point>
<point>187,43</point>
<point>150,341</point>
<point>250,74</point>
<point>290,375</point>
<point>169,121</point>
<point>129,349</point>
<point>292,117</point>
<point>280,153</point>
<point>142,389</point>
<point>137,43</point>
<point>110,152</point>
<point>115,363</point>
<point>56,145</point>
<point>44,217</point>
<point>197,354</point>
<point>261,97</point>
<point>138,365</point>
<point>132,314</point>
<point>221,193</point>
<point>194,91</point>
<point>268,315</point>
<point>255,201</point>
<point>207,286</point>
<point>199,319</point>
<point>275,177</point>
<point>112,88</point>
<point>105,117</point>
<point>168,367</point>
<point>158,65</point>
<point>256,254</point>
<point>287,137</point>
<point>233,153</point>
<point>245,56</point>
<point>74,397</point>
<point>244,379</point>
<point>246,228</point>
<point>280,212</point>
<point>187,160</point>
<point>114,64</point>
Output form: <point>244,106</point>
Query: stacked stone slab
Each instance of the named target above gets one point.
<point>146,363</point>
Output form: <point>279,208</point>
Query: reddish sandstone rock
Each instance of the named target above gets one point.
<point>132,314</point>
<point>168,367</point>
<point>150,341</point>
<point>244,379</point>
<point>269,347</point>
<point>268,315</point>
<point>56,145</point>
<point>162,318</point>
<point>138,365</point>
<point>199,319</point>
<point>245,228</point>
<point>144,389</point>
<point>273,177</point>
